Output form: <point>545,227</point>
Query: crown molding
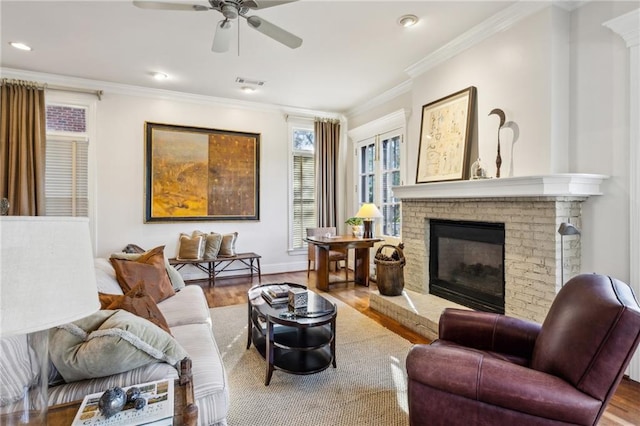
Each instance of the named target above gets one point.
<point>570,5</point>
<point>626,26</point>
<point>499,22</point>
<point>130,90</point>
<point>386,96</point>
<point>395,120</point>
<point>495,24</point>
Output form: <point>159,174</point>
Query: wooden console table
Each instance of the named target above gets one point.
<point>213,267</point>
<point>361,247</point>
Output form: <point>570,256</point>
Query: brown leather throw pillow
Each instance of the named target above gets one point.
<point>148,268</point>
<point>138,302</point>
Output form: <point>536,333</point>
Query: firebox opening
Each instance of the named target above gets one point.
<point>466,263</point>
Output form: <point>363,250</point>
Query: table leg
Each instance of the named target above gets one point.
<point>259,271</point>
<point>212,274</point>
<point>250,325</point>
<point>333,341</point>
<point>269,353</point>
<point>361,266</point>
<point>322,269</point>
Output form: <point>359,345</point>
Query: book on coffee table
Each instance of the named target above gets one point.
<point>276,294</point>
<point>157,411</point>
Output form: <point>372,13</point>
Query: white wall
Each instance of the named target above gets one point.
<point>561,77</point>
<point>599,134</point>
<point>511,71</point>
<point>120,176</point>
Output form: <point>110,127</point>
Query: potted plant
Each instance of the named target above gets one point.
<point>357,228</point>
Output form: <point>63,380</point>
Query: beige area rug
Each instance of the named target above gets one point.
<point>368,387</point>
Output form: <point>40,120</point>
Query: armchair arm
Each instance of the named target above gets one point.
<point>488,331</point>
<point>472,375</point>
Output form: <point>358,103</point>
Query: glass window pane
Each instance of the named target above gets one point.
<point>303,140</point>
<point>66,119</point>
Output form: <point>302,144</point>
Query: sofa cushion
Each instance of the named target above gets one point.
<point>87,348</point>
<point>177,282</point>
<point>106,277</point>
<point>74,391</point>
<point>148,268</point>
<point>16,373</point>
<point>210,385</point>
<point>136,301</point>
<point>188,306</point>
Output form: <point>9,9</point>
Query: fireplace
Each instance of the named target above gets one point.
<point>466,263</point>
<point>531,209</point>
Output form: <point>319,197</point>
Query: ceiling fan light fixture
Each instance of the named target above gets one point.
<point>229,11</point>
<point>19,45</point>
<point>408,20</point>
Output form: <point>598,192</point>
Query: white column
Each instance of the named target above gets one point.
<point>628,27</point>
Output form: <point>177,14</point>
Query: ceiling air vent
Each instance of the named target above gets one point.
<point>243,80</point>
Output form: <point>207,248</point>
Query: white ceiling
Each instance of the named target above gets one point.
<point>352,50</point>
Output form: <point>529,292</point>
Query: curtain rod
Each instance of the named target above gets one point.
<point>98,93</point>
<point>46,86</point>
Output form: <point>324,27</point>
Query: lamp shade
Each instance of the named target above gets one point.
<point>567,228</point>
<point>47,276</point>
<point>368,211</point>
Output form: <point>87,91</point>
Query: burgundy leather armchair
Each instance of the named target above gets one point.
<point>490,369</point>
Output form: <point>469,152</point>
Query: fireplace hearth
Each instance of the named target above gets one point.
<point>466,263</point>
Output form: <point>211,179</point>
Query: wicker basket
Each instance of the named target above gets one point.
<point>389,273</point>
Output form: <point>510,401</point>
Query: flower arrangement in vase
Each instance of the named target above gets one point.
<point>357,228</point>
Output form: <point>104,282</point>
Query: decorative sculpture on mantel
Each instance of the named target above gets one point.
<point>499,113</point>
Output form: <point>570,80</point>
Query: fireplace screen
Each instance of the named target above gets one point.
<point>466,263</point>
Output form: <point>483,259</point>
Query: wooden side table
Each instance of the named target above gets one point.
<point>185,412</point>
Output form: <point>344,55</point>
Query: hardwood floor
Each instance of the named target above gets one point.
<point>624,408</point>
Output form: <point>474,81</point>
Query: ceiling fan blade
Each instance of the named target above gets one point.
<point>222,37</point>
<point>274,31</point>
<point>158,5</point>
<point>263,4</point>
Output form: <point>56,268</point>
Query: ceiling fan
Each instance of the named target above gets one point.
<point>231,10</point>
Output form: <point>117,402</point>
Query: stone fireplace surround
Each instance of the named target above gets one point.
<point>531,208</point>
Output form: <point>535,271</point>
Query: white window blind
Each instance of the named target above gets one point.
<point>66,176</point>
<point>304,204</point>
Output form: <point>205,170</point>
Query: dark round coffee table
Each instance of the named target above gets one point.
<point>297,341</point>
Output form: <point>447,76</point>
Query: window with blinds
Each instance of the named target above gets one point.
<point>66,189</point>
<point>303,186</point>
<point>66,162</point>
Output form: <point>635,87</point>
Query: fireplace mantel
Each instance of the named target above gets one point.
<point>558,185</point>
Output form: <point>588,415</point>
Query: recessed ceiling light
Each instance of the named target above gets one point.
<point>408,20</point>
<point>160,76</point>
<point>248,89</point>
<point>19,45</point>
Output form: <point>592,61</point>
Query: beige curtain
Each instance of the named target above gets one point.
<point>327,134</point>
<point>22,146</point>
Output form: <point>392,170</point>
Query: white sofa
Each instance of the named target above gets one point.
<point>187,315</point>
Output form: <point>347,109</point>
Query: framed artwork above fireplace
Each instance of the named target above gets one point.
<point>445,134</point>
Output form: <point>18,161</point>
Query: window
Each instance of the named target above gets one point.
<point>378,171</point>
<point>66,161</point>
<point>303,183</point>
